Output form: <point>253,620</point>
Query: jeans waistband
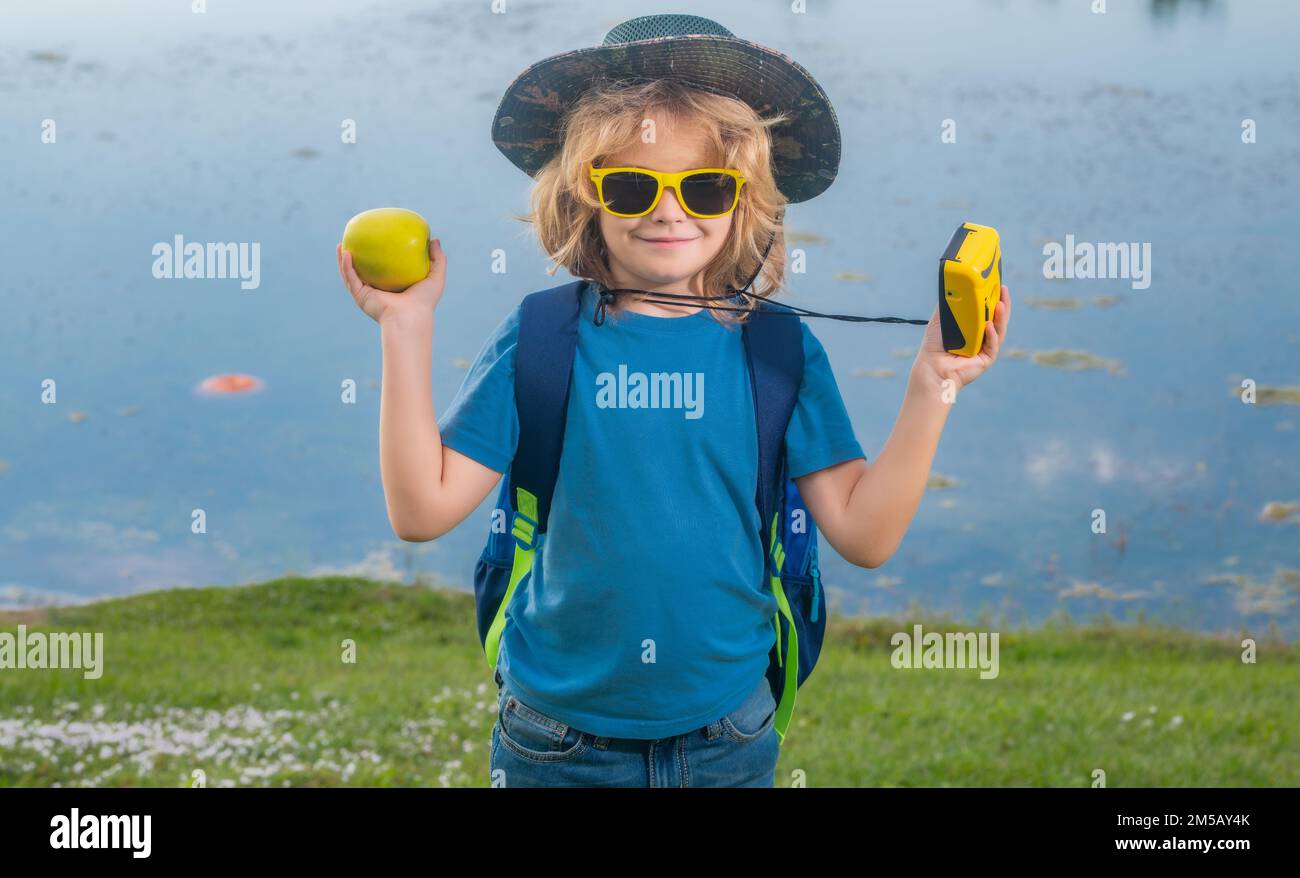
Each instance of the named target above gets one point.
<point>710,730</point>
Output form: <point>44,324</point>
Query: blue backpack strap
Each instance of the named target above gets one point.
<point>548,338</point>
<point>774,348</point>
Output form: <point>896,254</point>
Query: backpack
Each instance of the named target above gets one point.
<point>548,331</point>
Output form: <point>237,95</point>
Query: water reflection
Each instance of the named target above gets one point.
<point>227,129</point>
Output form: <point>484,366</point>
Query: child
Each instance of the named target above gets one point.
<point>613,668</point>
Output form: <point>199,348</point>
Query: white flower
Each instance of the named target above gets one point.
<point>1127,716</point>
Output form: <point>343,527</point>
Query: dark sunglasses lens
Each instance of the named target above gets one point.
<point>710,194</point>
<point>629,191</point>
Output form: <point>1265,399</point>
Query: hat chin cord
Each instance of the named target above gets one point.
<point>608,297</point>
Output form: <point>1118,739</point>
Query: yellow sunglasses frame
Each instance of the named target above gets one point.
<point>666,180</point>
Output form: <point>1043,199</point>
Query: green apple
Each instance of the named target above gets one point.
<point>389,247</point>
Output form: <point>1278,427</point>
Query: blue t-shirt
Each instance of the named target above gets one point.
<point>647,613</point>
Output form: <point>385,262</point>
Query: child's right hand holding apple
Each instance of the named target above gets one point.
<point>420,299</point>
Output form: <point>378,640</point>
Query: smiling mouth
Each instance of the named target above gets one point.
<point>671,242</point>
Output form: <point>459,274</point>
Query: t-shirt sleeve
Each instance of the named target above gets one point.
<point>820,433</point>
<point>482,422</point>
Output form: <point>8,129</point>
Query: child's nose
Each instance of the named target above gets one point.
<point>668,204</point>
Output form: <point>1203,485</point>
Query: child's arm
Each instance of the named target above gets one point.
<point>429,488</point>
<point>865,509</point>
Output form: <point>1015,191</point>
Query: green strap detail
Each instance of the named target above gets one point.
<point>525,530</point>
<point>784,710</point>
<point>523,563</point>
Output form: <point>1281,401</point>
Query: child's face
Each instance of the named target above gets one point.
<point>639,264</point>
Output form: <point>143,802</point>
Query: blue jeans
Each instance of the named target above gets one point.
<point>530,749</point>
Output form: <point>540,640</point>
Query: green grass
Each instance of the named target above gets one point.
<point>248,685</point>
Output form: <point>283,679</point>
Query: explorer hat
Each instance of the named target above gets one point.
<point>698,52</point>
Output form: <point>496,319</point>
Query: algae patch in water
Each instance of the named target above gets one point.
<point>1277,510</point>
<point>1065,304</point>
<point>1080,589</point>
<point>1070,302</point>
<point>794,236</point>
<point>939,482</point>
<point>873,373</point>
<point>1277,395</point>
<point>1076,361</point>
<point>1252,595</point>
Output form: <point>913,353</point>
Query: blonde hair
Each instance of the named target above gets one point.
<point>607,119</point>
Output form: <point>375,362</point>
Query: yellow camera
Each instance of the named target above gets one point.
<point>970,286</point>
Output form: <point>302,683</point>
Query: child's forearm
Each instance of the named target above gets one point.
<point>410,445</point>
<point>887,494</point>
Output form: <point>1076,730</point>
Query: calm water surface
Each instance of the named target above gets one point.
<point>225,127</point>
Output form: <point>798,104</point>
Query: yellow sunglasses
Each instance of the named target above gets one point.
<point>704,193</point>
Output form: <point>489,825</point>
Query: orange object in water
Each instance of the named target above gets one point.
<point>234,383</point>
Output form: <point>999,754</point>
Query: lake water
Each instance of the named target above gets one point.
<point>1120,127</point>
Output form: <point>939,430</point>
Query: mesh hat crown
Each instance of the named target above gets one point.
<point>693,50</point>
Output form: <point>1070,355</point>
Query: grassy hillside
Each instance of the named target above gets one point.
<point>248,684</point>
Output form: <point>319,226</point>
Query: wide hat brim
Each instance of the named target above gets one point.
<point>805,149</point>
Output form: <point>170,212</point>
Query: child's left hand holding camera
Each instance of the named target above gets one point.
<point>934,366</point>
